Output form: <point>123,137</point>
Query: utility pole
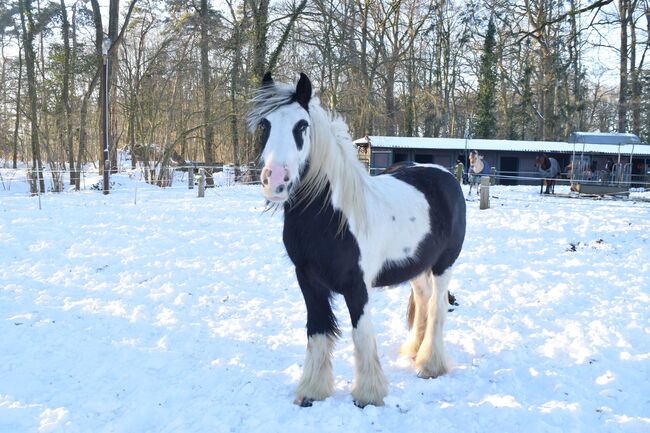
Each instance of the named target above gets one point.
<point>106,46</point>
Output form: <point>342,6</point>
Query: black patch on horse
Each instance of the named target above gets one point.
<point>265,126</point>
<point>326,261</point>
<point>299,133</point>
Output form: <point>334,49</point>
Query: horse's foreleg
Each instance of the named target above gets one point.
<point>317,381</point>
<point>420,294</point>
<point>431,360</point>
<point>370,384</point>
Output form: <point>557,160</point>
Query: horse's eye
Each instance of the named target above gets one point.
<point>302,126</point>
<point>299,131</point>
<point>264,124</point>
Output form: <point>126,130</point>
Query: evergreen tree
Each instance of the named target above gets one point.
<point>487,83</point>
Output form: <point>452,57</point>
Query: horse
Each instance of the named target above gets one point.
<point>549,169</point>
<point>346,232</point>
<point>477,169</point>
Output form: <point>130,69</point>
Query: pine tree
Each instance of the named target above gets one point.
<point>487,83</point>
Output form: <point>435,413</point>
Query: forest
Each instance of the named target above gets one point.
<point>172,78</point>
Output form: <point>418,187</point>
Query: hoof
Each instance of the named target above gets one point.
<point>407,349</point>
<point>425,373</point>
<point>361,404</point>
<point>304,402</point>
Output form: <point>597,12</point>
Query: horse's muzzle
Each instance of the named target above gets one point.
<point>276,182</point>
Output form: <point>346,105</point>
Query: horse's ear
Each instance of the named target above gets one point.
<point>303,91</point>
<point>267,80</point>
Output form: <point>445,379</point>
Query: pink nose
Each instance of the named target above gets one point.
<point>275,179</point>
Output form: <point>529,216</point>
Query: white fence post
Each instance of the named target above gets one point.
<point>484,191</point>
<point>202,183</point>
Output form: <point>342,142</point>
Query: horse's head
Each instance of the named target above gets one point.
<point>282,114</point>
<point>542,162</point>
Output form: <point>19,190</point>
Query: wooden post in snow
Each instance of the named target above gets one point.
<point>202,183</point>
<point>190,177</point>
<point>484,191</point>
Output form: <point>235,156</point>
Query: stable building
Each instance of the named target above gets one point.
<point>510,158</point>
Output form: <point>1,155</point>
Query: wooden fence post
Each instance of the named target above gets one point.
<point>202,183</point>
<point>484,191</point>
<point>190,177</point>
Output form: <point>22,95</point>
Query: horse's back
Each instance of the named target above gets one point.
<point>555,167</point>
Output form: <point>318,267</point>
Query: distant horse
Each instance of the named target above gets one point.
<point>549,169</point>
<point>478,168</point>
<point>347,232</point>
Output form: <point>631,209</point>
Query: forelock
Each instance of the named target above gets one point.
<point>268,99</point>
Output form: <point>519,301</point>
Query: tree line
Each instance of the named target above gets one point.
<point>180,72</point>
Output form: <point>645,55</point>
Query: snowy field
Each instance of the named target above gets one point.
<point>180,314</point>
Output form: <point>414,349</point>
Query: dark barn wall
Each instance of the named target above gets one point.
<point>502,161</point>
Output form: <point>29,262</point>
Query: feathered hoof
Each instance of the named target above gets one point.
<point>371,394</point>
<point>431,372</point>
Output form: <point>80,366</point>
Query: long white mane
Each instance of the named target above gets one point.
<point>332,160</point>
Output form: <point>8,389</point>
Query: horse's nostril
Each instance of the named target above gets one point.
<point>286,178</point>
<point>265,181</point>
<point>280,189</point>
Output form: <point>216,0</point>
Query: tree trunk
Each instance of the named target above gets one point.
<point>18,107</point>
<point>260,33</point>
<point>113,59</point>
<point>234,78</point>
<point>635,87</point>
<point>622,92</point>
<point>207,93</point>
<point>27,23</point>
<point>389,92</point>
<point>65,91</point>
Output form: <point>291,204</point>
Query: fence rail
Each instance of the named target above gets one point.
<point>189,177</point>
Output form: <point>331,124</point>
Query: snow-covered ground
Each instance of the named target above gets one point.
<point>180,314</point>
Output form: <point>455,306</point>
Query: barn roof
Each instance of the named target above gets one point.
<point>604,138</point>
<point>428,143</point>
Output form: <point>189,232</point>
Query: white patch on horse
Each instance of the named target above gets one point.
<point>370,384</point>
<point>317,381</point>
<point>386,241</point>
<point>276,151</point>
<point>437,166</point>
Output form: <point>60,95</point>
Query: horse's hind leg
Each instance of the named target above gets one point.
<point>431,360</point>
<point>421,288</point>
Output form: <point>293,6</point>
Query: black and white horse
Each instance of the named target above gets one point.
<point>347,232</point>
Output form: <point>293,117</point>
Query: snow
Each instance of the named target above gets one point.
<point>435,143</point>
<point>157,311</point>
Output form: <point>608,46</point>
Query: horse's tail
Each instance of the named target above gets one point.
<point>410,311</point>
